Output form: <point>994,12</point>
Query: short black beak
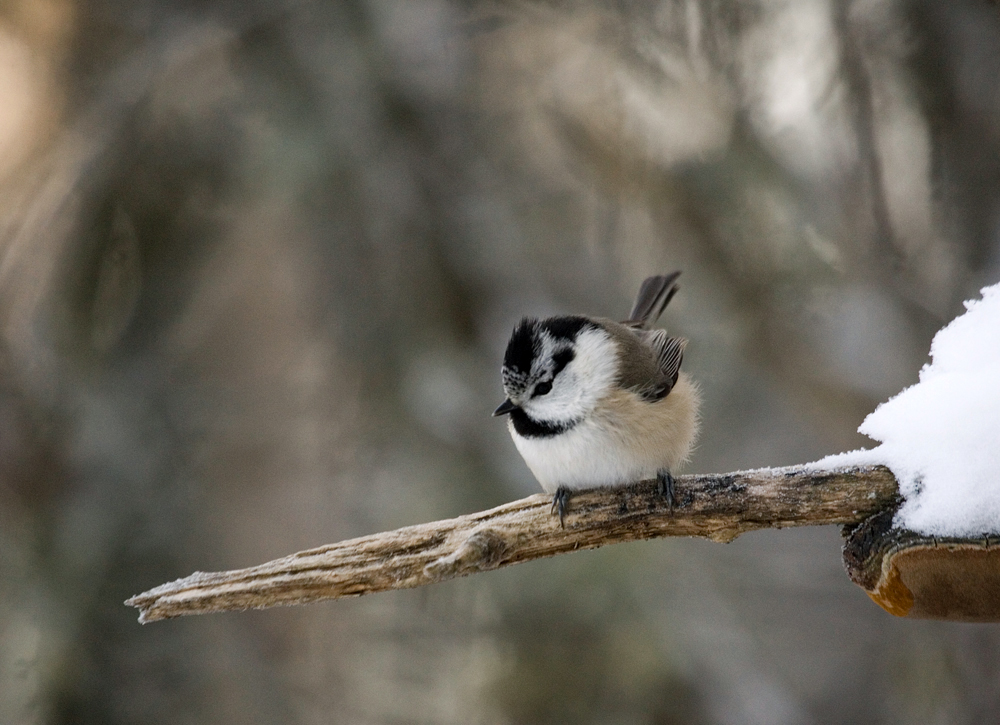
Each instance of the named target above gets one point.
<point>505,407</point>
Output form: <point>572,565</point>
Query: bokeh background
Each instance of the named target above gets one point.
<point>258,264</point>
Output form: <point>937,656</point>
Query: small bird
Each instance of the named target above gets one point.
<point>595,403</point>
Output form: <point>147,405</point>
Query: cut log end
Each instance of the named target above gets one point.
<point>925,577</point>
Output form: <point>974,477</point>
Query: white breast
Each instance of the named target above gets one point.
<point>584,457</point>
<point>624,440</point>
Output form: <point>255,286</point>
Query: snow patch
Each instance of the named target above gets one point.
<point>941,437</point>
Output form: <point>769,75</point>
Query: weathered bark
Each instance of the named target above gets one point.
<point>719,507</point>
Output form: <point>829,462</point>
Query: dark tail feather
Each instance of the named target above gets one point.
<point>652,299</point>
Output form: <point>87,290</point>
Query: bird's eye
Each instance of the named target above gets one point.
<point>542,389</point>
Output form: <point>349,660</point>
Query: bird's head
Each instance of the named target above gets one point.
<point>555,370</point>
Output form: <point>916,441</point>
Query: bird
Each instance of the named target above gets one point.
<point>594,403</point>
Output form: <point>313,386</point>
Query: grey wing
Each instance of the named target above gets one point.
<point>669,353</point>
<point>654,295</point>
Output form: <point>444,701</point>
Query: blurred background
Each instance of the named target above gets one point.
<point>258,265</point>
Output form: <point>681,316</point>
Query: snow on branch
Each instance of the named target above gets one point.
<point>719,507</point>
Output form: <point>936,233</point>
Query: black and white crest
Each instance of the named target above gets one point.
<point>539,346</point>
<point>566,328</point>
<point>522,349</point>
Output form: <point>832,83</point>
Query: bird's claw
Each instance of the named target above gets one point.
<point>559,504</point>
<point>666,487</point>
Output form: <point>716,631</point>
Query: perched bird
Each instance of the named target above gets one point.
<point>595,403</point>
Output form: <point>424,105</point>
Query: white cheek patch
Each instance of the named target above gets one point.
<point>596,361</point>
<point>584,381</point>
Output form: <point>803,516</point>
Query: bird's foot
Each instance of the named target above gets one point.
<point>666,487</point>
<point>559,504</point>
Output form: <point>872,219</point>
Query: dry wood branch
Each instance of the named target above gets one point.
<point>719,507</point>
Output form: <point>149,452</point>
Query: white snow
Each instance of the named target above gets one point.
<point>941,437</point>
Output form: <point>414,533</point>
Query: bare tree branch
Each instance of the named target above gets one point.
<point>719,507</point>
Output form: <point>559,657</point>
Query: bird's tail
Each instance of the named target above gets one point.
<point>652,299</point>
